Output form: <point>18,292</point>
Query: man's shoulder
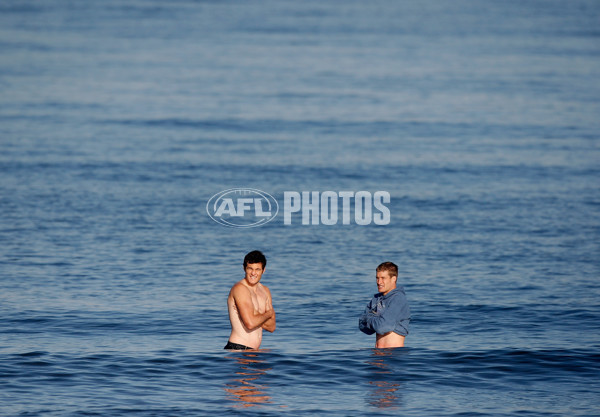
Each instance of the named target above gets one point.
<point>397,292</point>
<point>264,289</point>
<point>238,287</point>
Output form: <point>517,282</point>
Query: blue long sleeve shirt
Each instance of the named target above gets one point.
<point>386,313</point>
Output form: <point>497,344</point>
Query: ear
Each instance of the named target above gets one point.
<point>395,278</point>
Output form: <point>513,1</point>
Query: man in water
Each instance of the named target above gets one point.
<point>387,314</point>
<point>250,307</point>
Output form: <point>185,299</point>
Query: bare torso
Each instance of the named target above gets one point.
<point>239,332</point>
<point>389,340</point>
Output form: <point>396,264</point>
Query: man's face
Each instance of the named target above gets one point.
<point>385,282</point>
<point>254,273</point>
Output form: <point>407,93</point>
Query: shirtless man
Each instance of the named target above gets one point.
<point>250,307</point>
<point>387,314</point>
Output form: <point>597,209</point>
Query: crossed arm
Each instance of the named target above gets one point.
<point>250,317</point>
<point>393,318</point>
<point>373,322</point>
<point>270,324</point>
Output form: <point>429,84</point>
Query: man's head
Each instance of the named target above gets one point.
<point>255,257</point>
<point>254,266</point>
<point>387,276</point>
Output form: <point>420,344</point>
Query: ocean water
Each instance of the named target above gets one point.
<point>120,119</point>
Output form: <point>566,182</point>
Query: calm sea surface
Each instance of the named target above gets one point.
<point>120,119</point>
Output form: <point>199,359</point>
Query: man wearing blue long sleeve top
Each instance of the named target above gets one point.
<point>388,313</point>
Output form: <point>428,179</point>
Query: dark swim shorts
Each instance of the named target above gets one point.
<point>236,346</point>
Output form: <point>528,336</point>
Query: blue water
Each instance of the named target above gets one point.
<point>119,121</point>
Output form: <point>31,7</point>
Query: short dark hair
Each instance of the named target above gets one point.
<point>390,267</point>
<point>255,257</point>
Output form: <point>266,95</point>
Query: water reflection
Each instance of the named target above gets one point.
<point>385,389</point>
<point>246,389</point>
